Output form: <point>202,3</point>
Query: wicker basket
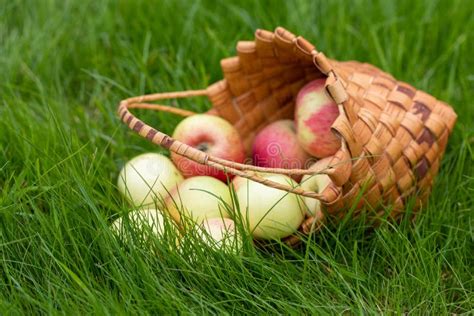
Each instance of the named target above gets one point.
<point>393,136</point>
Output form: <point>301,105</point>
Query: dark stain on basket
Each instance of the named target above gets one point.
<point>426,137</point>
<point>151,134</point>
<point>422,168</point>
<point>409,92</point>
<point>167,142</point>
<point>421,108</point>
<point>138,126</point>
<point>122,115</point>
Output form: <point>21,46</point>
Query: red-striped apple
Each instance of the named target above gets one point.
<point>276,146</point>
<point>212,135</point>
<point>315,112</point>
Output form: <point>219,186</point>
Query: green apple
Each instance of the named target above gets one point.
<point>315,183</point>
<point>199,198</point>
<point>269,213</point>
<point>148,177</point>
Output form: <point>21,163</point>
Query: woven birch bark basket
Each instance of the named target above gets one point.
<point>392,135</point>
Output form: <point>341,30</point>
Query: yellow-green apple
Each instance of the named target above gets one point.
<point>212,135</point>
<point>141,222</point>
<point>148,177</point>
<point>221,233</point>
<point>315,112</point>
<point>199,198</point>
<point>269,213</point>
<point>276,146</point>
<point>315,183</point>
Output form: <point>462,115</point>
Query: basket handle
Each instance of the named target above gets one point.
<point>340,160</point>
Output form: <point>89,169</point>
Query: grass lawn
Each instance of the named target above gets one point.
<point>64,66</point>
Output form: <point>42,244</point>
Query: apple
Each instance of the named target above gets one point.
<point>143,221</point>
<point>148,177</point>
<point>269,213</point>
<point>276,146</point>
<point>220,233</point>
<point>315,183</point>
<point>315,112</point>
<point>212,135</point>
<point>199,198</point>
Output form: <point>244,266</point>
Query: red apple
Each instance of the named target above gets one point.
<point>315,112</point>
<point>214,136</point>
<point>276,146</point>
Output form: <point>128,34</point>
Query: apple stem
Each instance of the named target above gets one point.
<point>203,147</point>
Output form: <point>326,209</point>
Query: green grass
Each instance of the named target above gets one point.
<point>64,65</point>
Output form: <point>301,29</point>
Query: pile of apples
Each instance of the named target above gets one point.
<point>189,192</point>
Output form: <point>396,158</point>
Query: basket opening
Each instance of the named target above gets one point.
<point>261,83</point>
<point>269,99</point>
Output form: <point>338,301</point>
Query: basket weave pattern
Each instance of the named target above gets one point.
<point>393,136</point>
